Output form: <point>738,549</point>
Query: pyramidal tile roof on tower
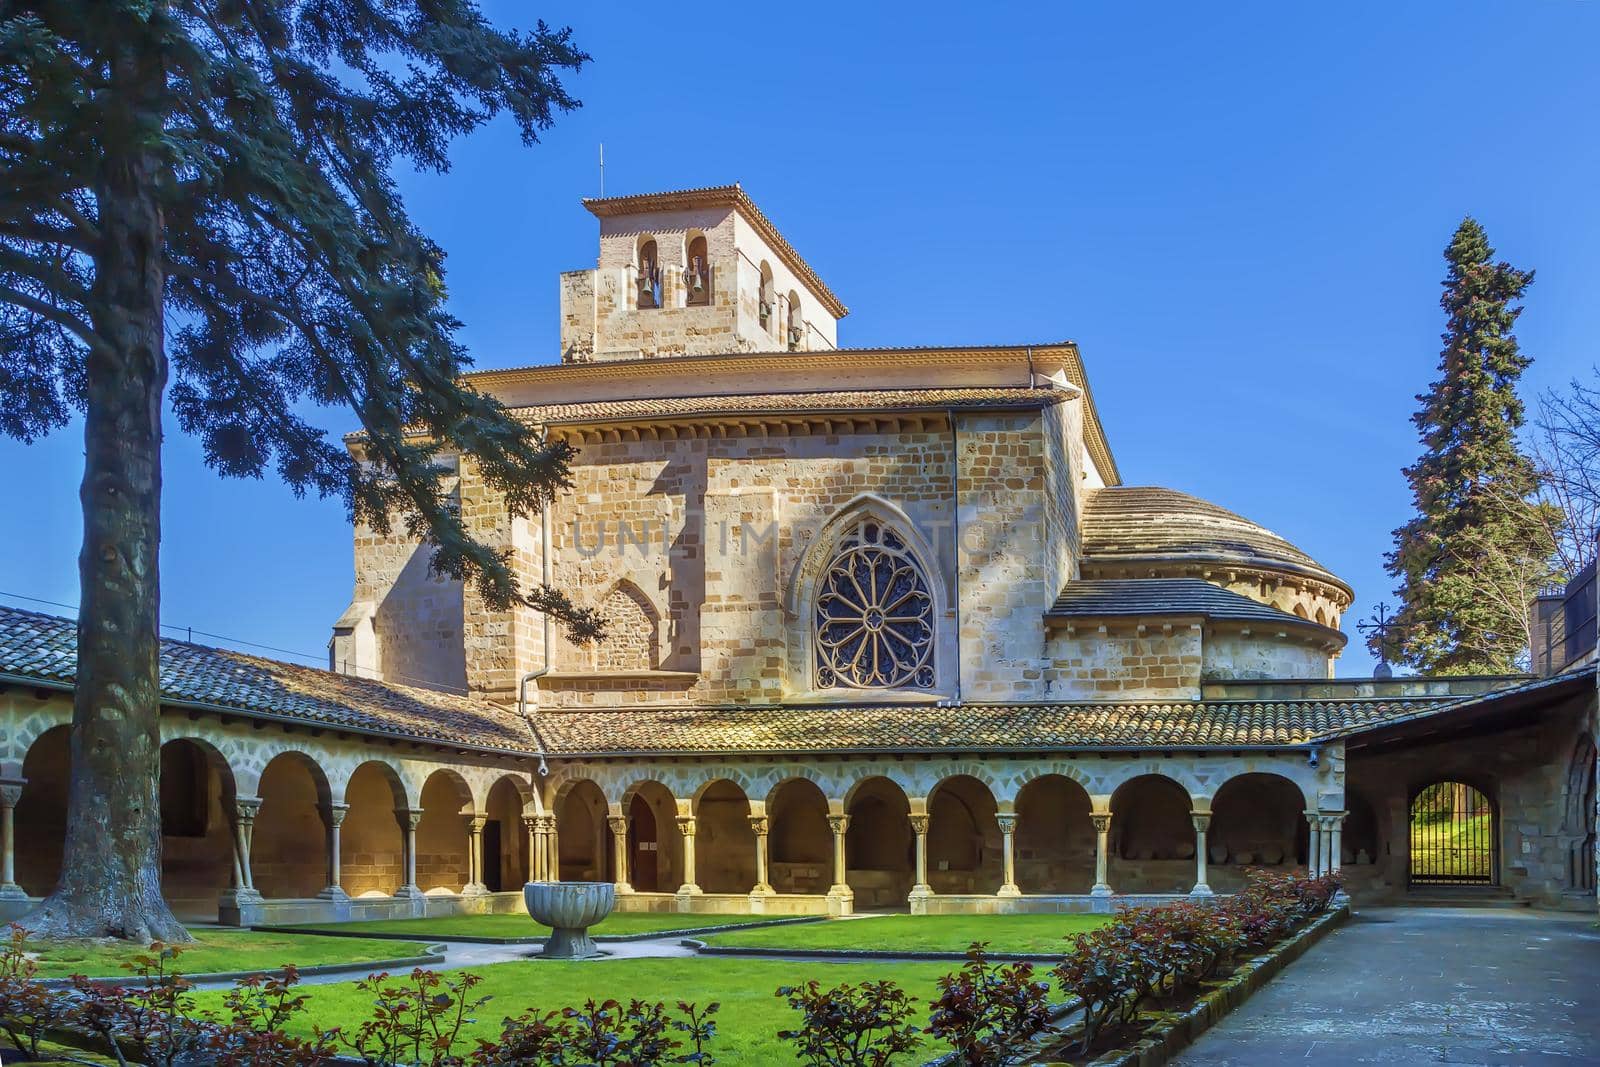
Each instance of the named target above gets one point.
<point>41,650</point>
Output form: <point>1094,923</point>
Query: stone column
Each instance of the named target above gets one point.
<point>535,847</point>
<point>841,898</point>
<point>619,852</point>
<point>244,827</point>
<point>10,793</point>
<point>1202,823</point>
<point>1335,837</point>
<point>475,824</point>
<point>759,825</point>
<point>552,849</point>
<point>920,890</point>
<point>1314,846</point>
<point>334,814</point>
<point>408,818</point>
<point>1008,851</point>
<point>1102,846</point>
<point>686,829</point>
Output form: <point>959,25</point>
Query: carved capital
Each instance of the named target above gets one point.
<point>11,792</point>
<point>476,821</point>
<point>1202,820</point>
<point>408,817</point>
<point>1007,821</point>
<point>686,825</point>
<point>532,824</point>
<point>919,824</point>
<point>547,823</point>
<point>838,823</point>
<point>1102,822</point>
<point>247,808</point>
<point>618,824</point>
<point>336,814</point>
<point>759,825</point>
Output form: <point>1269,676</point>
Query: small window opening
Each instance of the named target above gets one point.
<point>649,276</point>
<point>697,276</point>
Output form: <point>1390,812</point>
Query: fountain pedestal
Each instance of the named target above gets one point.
<point>569,909</point>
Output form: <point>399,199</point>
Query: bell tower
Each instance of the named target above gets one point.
<point>692,273</point>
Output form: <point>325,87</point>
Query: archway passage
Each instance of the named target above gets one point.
<point>964,849</point>
<point>371,842</point>
<point>198,854</point>
<point>1257,820</point>
<point>583,842</point>
<point>1055,836</point>
<point>285,857</point>
<point>505,843</point>
<point>800,845</point>
<point>443,833</point>
<point>657,839</point>
<point>41,814</point>
<point>1152,837</point>
<point>1453,835</point>
<point>725,844</point>
<point>878,845</point>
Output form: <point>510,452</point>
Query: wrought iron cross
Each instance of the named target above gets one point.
<point>1378,625</point>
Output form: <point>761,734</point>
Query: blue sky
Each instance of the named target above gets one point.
<point>1238,211</point>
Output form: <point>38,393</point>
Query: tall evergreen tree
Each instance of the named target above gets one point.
<point>1479,548</point>
<point>223,166</point>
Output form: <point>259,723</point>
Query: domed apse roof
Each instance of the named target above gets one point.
<point>1140,522</point>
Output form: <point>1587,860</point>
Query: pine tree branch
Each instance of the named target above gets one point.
<point>59,316</point>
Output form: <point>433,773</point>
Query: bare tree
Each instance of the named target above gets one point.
<point>1566,450</point>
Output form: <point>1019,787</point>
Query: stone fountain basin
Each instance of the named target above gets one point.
<point>569,909</point>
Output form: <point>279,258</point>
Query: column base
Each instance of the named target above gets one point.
<point>622,889</point>
<point>12,891</point>
<point>408,892</point>
<point>333,892</point>
<point>918,898</point>
<point>758,899</point>
<point>841,900</point>
<point>475,889</point>
<point>1201,890</point>
<point>686,895</point>
<point>1009,890</point>
<point>242,896</point>
<point>1100,890</point>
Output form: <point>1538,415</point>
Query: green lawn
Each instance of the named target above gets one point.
<point>219,950</point>
<point>1460,849</point>
<point>510,925</point>
<point>920,933</point>
<point>749,1018</point>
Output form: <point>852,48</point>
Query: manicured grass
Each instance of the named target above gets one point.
<point>747,1022</point>
<point>219,950</point>
<point>1452,849</point>
<point>920,933</point>
<point>511,925</point>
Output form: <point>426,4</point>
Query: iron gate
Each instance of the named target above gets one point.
<point>1452,836</point>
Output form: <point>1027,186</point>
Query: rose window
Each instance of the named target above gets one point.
<point>874,615</point>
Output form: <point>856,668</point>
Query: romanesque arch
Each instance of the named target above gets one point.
<point>199,855</point>
<point>582,838</point>
<point>285,860</point>
<point>444,833</point>
<point>1454,835</point>
<point>1055,836</point>
<point>725,844</point>
<point>505,842</point>
<point>800,842</point>
<point>40,818</point>
<point>1152,836</point>
<point>371,841</point>
<point>878,847</point>
<point>655,840</point>
<point>1578,823</point>
<point>1257,820</point>
<point>964,840</point>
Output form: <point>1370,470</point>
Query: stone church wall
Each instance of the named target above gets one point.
<point>1117,661</point>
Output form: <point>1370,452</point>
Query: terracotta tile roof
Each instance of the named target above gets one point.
<point>1145,522</point>
<point>45,648</point>
<point>845,401</point>
<point>970,727</point>
<point>1099,597</point>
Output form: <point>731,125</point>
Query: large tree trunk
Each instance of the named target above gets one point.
<point>110,882</point>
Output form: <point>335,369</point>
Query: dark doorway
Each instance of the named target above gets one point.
<point>644,847</point>
<point>493,862</point>
<point>1453,836</point>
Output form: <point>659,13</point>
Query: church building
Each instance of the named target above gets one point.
<point>887,629</point>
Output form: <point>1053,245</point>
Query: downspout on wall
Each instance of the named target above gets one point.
<point>549,647</point>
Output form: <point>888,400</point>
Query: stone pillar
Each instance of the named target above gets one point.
<point>619,852</point>
<point>841,898</point>
<point>759,825</point>
<point>921,891</point>
<point>1314,846</point>
<point>535,847</point>
<point>244,827</point>
<point>334,815</point>
<point>1102,846</point>
<point>1008,831</point>
<point>1202,823</point>
<point>1335,835</point>
<point>10,793</point>
<point>408,818</point>
<point>552,849</point>
<point>475,824</point>
<point>686,829</point>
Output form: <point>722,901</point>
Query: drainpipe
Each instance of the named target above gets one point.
<point>549,646</point>
<point>955,533</point>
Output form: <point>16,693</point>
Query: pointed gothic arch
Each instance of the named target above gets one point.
<point>633,631</point>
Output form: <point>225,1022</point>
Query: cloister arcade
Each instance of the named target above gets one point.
<point>265,824</point>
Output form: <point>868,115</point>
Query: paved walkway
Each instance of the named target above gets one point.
<point>1426,985</point>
